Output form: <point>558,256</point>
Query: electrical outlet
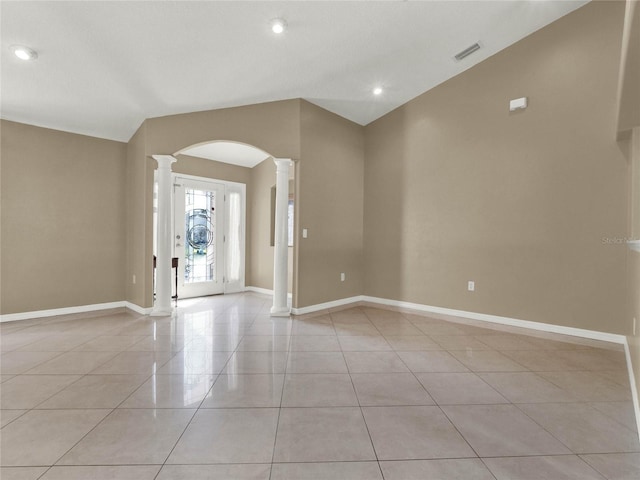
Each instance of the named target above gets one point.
<point>471,286</point>
<point>134,279</point>
<point>343,277</point>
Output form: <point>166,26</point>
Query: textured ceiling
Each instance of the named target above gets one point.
<point>104,67</point>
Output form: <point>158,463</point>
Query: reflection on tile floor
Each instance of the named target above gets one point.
<point>224,391</point>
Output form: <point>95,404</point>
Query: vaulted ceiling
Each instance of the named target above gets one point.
<point>105,66</point>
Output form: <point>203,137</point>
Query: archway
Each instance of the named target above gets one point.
<point>221,152</point>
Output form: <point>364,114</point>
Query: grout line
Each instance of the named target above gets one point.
<point>487,467</point>
<point>243,328</point>
<point>355,392</point>
<point>437,405</point>
<point>195,412</point>
<point>284,382</point>
<point>84,436</point>
<point>517,405</point>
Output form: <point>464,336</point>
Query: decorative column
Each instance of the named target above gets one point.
<point>280,254</point>
<point>162,306</point>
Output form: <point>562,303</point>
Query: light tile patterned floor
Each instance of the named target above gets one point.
<point>224,391</point>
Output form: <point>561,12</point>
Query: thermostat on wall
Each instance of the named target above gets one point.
<point>518,104</point>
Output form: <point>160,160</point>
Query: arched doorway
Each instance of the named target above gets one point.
<point>194,238</point>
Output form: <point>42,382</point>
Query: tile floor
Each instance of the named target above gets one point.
<point>224,391</point>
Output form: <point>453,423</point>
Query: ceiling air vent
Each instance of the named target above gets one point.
<point>467,51</point>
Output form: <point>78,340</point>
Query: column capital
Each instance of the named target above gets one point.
<point>164,161</point>
<point>282,163</point>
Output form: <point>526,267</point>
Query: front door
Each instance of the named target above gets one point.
<point>199,237</point>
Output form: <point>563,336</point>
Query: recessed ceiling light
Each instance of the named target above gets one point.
<point>278,25</point>
<point>377,91</point>
<point>24,53</point>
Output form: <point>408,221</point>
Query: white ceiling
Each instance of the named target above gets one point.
<point>228,152</point>
<point>104,67</point>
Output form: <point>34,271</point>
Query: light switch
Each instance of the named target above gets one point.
<point>518,104</point>
<point>305,233</point>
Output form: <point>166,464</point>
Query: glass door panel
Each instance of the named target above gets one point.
<point>199,240</point>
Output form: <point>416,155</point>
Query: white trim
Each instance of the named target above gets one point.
<point>483,317</point>
<point>632,382</point>
<point>280,311</point>
<point>12,317</point>
<point>138,308</point>
<point>326,305</point>
<point>263,291</point>
<point>514,322</point>
<point>205,179</point>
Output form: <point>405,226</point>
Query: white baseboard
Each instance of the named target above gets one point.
<point>483,317</point>
<point>514,322</point>
<point>264,291</point>
<point>138,308</point>
<point>326,305</point>
<point>12,317</point>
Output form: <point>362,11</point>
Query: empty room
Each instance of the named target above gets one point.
<point>353,240</point>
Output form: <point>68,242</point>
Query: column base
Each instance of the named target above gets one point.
<point>280,311</point>
<point>162,312</point>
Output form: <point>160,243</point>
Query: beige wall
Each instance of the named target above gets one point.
<point>263,177</point>
<point>458,189</point>
<point>273,127</point>
<point>260,216</point>
<point>201,167</point>
<point>629,81</point>
<point>63,229</point>
<point>136,231</point>
<point>330,202</point>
